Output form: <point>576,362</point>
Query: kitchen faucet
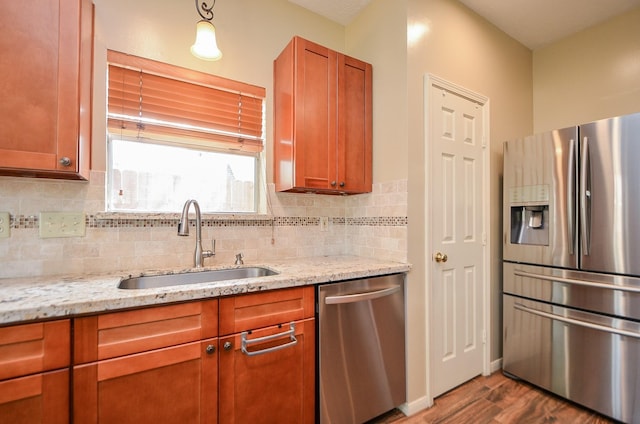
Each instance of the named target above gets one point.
<point>183,230</point>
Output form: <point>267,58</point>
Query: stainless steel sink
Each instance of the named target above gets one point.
<point>154,281</point>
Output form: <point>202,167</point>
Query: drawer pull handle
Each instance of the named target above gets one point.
<point>246,342</point>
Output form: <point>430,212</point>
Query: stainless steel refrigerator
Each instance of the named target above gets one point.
<point>571,250</point>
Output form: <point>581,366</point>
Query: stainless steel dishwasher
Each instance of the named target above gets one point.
<point>361,341</point>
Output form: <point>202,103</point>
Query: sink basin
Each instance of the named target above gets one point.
<point>155,281</point>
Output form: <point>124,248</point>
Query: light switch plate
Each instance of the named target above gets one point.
<point>62,224</point>
<point>5,225</point>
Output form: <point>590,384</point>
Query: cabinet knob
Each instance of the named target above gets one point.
<point>228,346</point>
<point>333,183</point>
<point>65,161</point>
<point>342,184</point>
<point>210,349</point>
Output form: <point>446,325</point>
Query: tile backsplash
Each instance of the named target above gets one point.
<point>370,225</point>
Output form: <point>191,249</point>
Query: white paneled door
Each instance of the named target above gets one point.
<point>457,236</point>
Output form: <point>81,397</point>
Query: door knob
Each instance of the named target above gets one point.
<point>439,257</point>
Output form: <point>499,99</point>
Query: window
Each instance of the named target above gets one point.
<point>177,134</point>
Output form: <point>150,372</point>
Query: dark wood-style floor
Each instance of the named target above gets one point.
<point>497,399</point>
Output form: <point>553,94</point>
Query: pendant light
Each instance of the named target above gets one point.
<point>205,46</point>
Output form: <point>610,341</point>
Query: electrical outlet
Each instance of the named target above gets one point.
<point>5,225</point>
<point>62,224</point>
<point>324,223</point>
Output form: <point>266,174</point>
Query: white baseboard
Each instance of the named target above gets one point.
<point>411,408</point>
<point>496,365</point>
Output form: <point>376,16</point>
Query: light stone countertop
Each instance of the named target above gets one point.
<point>38,298</point>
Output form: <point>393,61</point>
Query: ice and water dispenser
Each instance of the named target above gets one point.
<point>529,209</point>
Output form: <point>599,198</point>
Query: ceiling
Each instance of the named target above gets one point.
<point>532,23</point>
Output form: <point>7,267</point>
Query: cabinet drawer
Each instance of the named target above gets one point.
<point>31,348</point>
<point>124,333</point>
<point>256,310</point>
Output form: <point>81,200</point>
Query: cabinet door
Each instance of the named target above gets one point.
<point>315,116</point>
<point>354,125</point>
<point>46,88</point>
<point>322,120</point>
<point>39,398</point>
<point>171,385</point>
<point>269,385</point>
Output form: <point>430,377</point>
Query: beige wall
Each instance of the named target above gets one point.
<point>464,49</point>
<point>251,33</point>
<point>591,75</point>
<point>378,36</point>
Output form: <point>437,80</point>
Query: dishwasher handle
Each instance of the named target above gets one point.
<point>361,297</point>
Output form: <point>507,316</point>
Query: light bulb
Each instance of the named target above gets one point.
<point>206,47</point>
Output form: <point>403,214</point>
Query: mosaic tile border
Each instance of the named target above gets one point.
<point>379,221</point>
<point>93,221</point>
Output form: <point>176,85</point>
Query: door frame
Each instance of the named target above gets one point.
<point>429,81</point>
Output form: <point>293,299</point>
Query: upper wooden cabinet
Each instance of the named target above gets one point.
<point>46,68</point>
<point>322,121</point>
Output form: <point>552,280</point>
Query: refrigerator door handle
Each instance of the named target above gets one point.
<point>571,196</point>
<point>585,197</point>
<point>594,284</point>
<point>580,323</point>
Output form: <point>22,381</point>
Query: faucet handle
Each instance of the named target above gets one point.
<point>239,260</point>
<point>212,252</point>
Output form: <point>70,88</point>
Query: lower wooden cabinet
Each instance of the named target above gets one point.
<point>154,365</point>
<point>267,357</point>
<point>240,359</point>
<point>34,372</point>
<point>268,375</point>
<point>176,384</point>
